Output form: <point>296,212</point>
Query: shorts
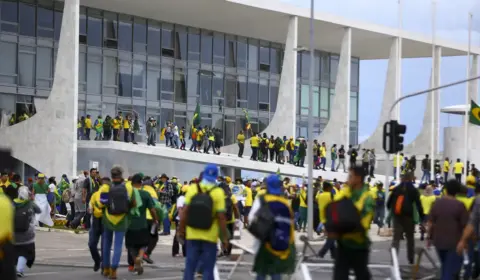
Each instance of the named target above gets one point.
<point>246,210</point>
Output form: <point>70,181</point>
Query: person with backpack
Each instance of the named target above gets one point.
<point>272,224</point>
<point>348,220</point>
<point>379,196</point>
<point>116,201</point>
<point>167,194</point>
<point>202,222</point>
<point>24,243</point>
<point>404,204</point>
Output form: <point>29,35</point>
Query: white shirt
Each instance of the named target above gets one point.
<point>180,204</point>
<point>51,188</point>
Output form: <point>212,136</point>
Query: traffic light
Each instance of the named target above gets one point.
<point>393,136</point>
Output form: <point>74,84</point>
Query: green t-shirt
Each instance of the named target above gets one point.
<point>140,222</point>
<point>40,189</point>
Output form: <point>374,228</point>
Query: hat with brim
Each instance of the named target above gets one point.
<point>274,185</point>
<point>41,176</point>
<point>210,173</point>
<point>164,176</point>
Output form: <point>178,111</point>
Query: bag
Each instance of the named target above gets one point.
<point>262,224</point>
<point>343,216</point>
<point>200,213</point>
<point>66,195</point>
<point>400,205</point>
<point>118,202</point>
<point>23,217</point>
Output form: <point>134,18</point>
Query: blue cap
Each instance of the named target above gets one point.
<point>210,173</point>
<point>274,184</point>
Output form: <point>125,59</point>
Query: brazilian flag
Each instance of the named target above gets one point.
<point>197,119</point>
<point>474,113</point>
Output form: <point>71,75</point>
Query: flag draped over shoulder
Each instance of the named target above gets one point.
<point>474,113</point>
<point>249,125</point>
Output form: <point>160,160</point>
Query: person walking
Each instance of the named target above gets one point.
<point>372,162</point>
<point>341,159</point>
<point>333,157</point>
<point>458,170</point>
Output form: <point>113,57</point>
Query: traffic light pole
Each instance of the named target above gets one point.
<point>435,90</point>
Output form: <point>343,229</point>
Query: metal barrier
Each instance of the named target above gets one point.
<point>420,252</point>
<point>234,264</point>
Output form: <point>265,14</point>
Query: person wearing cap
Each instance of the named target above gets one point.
<point>8,188</point>
<point>166,195</point>
<point>275,257</point>
<point>40,189</point>
<point>202,243</point>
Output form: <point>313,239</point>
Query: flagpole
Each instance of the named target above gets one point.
<point>433,94</point>
<point>467,93</point>
<point>398,89</point>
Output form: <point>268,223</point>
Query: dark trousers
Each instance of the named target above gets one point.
<point>328,246</point>
<point>241,146</point>
<point>445,176</point>
<point>193,147</point>
<point>254,153</point>
<point>116,135</point>
<point>87,133</point>
<point>182,147</point>
<point>451,263</point>
<point>132,137</point>
<point>372,170</point>
<point>107,134</point>
<point>458,177</point>
<point>272,154</point>
<point>176,245</point>
<point>126,135</point>
<point>152,242</point>
<point>132,254</point>
<point>7,263</point>
<point>72,213</point>
<point>365,168</point>
<point>354,259</point>
<point>379,215</point>
<point>401,225</point>
<point>94,235</point>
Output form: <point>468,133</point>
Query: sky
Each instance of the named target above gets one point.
<point>452,24</point>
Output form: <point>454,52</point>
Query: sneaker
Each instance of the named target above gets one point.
<point>113,274</point>
<point>138,266</point>
<point>96,266</point>
<point>131,268</point>
<point>147,259</point>
<point>106,271</point>
<point>20,274</point>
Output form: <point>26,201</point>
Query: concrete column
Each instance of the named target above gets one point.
<point>473,85</point>
<point>375,141</point>
<point>337,130</point>
<point>421,144</point>
<point>233,173</point>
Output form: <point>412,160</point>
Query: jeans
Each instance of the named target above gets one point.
<point>254,153</point>
<point>196,251</point>
<point>166,221</point>
<point>87,133</point>
<point>296,216</point>
<point>80,133</point>
<point>341,161</point>
<point>471,258</point>
<point>151,137</point>
<point>115,135</point>
<point>379,215</point>
<point>94,235</point>
<point>323,161</point>
<point>107,239</point>
<point>193,147</point>
<point>451,263</point>
<point>126,135</point>
<point>445,176</point>
<point>333,165</point>
<point>291,156</point>
<point>273,277</point>
<point>302,221</point>
<point>174,141</point>
<point>426,175</point>
<point>167,139</point>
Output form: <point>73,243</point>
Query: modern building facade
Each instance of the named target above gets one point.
<point>159,58</point>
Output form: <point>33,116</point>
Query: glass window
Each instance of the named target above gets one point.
<point>94,74</point>
<point>193,45</point>
<point>181,42</point>
<point>139,79</point>
<point>333,69</point>
<point>324,102</point>
<point>26,69</point>
<point>125,78</point>
<point>305,65</point>
<point>241,54</point>
<point>324,67</point>
<point>275,60</point>
<point>110,72</point>
<point>207,45</point>
<point>180,87</point>
<point>167,79</point>
<point>231,52</point>
<point>82,67</point>
<point>230,91</point>
<point>229,129</point>
<point>192,86</point>
<point>206,89</point>
<point>252,55</point>
<point>110,28</point>
<point>125,33</point>
<point>242,88</point>
<point>217,85</point>
<point>9,15</point>
<point>263,91</point>
<point>354,73</point>
<point>265,58</point>
<point>27,19</point>
<point>316,102</point>
<point>58,21</point>
<point>153,85</point>
<point>153,45</point>
<point>316,66</point>
<point>139,35</point>
<point>44,63</point>
<point>273,96</point>
<point>167,41</point>
<point>8,58</point>
<point>353,109</point>
<point>7,104</point>
<point>45,21</point>
<point>252,94</point>
<point>304,91</point>
<point>218,49</point>
<point>83,21</point>
<point>94,36</point>
<point>167,116</point>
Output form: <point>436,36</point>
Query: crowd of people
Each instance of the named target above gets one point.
<point>135,210</point>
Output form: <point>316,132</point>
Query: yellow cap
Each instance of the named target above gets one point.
<point>228,179</point>
<point>41,176</point>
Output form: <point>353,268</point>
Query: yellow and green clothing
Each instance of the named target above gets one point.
<point>6,219</point>
<point>446,166</point>
<point>116,124</point>
<point>40,189</point>
<point>126,124</point>
<point>150,190</point>
<point>458,168</point>
<point>97,211</point>
<point>118,222</point>
<point>248,197</point>
<point>427,203</point>
<point>88,123</point>
<point>254,142</point>
<point>467,201</point>
<point>323,199</point>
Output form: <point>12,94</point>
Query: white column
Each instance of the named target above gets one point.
<point>473,85</point>
<point>436,75</point>
<point>337,130</point>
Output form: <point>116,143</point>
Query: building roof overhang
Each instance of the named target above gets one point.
<point>455,109</point>
<point>268,20</point>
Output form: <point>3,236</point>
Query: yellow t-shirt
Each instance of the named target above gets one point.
<point>248,197</point>
<point>153,194</point>
<point>323,151</point>
<point>126,124</point>
<point>199,134</point>
<point>427,202</point>
<point>254,142</point>
<point>6,219</point>
<point>88,123</point>
<point>446,166</point>
<point>218,197</point>
<point>303,198</point>
<point>97,212</point>
<point>400,160</point>
<point>323,199</point>
<point>241,138</point>
<point>261,192</point>
<point>116,124</point>
<point>457,167</point>
<point>234,202</point>
<point>467,201</point>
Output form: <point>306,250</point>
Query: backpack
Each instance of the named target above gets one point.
<point>401,203</point>
<point>262,224</point>
<point>23,217</point>
<point>200,213</point>
<point>118,202</point>
<point>343,216</point>
<point>66,195</point>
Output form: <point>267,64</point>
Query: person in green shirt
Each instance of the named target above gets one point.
<point>40,187</point>
<point>138,233</point>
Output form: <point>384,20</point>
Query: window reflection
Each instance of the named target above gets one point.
<point>230,91</point>
<point>230,133</point>
<point>353,109</point>
<point>193,45</point>
<point>273,96</point>
<point>110,30</point>
<point>140,35</point>
<point>192,86</point>
<point>94,36</point>
<point>125,33</point>
<point>324,102</point>
<point>58,21</point>
<point>125,78</point>
<point>94,74</point>
<point>26,68</point>
<point>9,15</point>
<point>207,44</point>
<point>181,42</point>
<point>275,60</point>
<point>316,102</point>
<point>139,79</point>
<point>27,19</point>
<point>241,55</point>
<point>154,34</point>
<point>206,89</point>
<point>264,58</point>
<point>180,88</point>
<point>263,91</point>
<point>305,65</point>
<point>153,84</point>
<point>242,88</point>
<point>167,80</point>
<point>110,71</point>
<point>8,65</point>
<point>217,86</point>
<point>45,22</point>
<point>218,49</point>
<point>167,41</point>
<point>333,69</point>
<point>44,63</point>
<point>231,52</point>
<point>253,56</point>
<point>82,68</point>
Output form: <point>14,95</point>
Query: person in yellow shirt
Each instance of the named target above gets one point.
<point>202,231</point>
<point>446,169</point>
<point>458,170</point>
<point>378,195</point>
<point>199,140</point>
<point>116,123</point>
<point>254,143</point>
<point>126,129</point>
<point>397,163</point>
<point>303,209</point>
<point>323,199</point>
<point>148,186</point>
<point>427,199</point>
<point>88,127</point>
<point>7,251</point>
<point>271,147</point>
<point>247,191</point>
<point>241,143</point>
<point>323,156</point>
